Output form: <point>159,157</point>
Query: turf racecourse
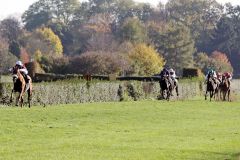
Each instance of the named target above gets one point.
<point>149,130</point>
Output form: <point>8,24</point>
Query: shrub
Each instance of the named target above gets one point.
<point>192,72</point>
<point>33,68</point>
<point>96,63</point>
<point>58,65</point>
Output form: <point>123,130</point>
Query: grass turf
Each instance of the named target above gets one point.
<point>152,130</point>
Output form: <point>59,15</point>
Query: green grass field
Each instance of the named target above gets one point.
<point>147,130</point>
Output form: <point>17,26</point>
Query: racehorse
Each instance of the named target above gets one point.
<point>225,89</point>
<point>212,88</point>
<point>167,86</point>
<point>19,85</point>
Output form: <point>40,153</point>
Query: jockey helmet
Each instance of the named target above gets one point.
<point>171,70</point>
<point>227,74</point>
<point>211,71</point>
<point>19,63</point>
<point>165,69</point>
<point>219,74</point>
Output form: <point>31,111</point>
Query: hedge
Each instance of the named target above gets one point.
<point>49,77</point>
<point>81,91</point>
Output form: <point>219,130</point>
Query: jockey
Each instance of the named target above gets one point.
<point>164,72</point>
<point>23,70</point>
<point>228,75</point>
<point>211,73</point>
<point>173,75</point>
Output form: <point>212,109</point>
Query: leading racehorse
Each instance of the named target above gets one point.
<point>212,87</point>
<point>167,86</point>
<point>19,85</point>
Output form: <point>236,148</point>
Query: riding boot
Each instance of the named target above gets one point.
<point>171,84</point>
<point>27,80</point>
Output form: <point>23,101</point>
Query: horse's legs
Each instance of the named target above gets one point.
<point>216,96</point>
<point>221,95</point>
<point>161,93</point>
<point>21,104</point>
<point>11,96</point>
<point>168,95</point>
<point>29,97</point>
<point>21,94</point>
<point>164,94</point>
<point>177,90</point>
<point>229,95</point>
<point>17,100</point>
<point>211,95</point>
<point>206,95</point>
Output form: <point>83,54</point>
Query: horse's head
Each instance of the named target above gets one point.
<point>15,77</point>
<point>224,78</point>
<point>164,77</point>
<point>164,82</point>
<point>225,81</point>
<point>15,74</point>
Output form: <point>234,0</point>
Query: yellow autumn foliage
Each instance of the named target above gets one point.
<point>146,61</point>
<point>52,39</point>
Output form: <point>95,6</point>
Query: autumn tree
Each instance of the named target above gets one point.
<point>200,16</point>
<point>93,35</point>
<point>96,63</point>
<point>44,11</point>
<point>226,35</point>
<point>7,59</point>
<point>11,30</point>
<point>53,40</point>
<point>220,62</point>
<point>145,60</point>
<point>202,61</point>
<point>24,57</point>
<point>133,30</point>
<point>44,40</point>
<point>217,60</point>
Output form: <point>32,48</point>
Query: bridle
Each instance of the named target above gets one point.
<point>15,74</point>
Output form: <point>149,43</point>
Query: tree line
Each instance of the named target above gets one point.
<point>123,37</point>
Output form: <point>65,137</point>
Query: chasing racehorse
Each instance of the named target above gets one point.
<point>212,88</point>
<point>167,86</point>
<point>225,89</point>
<point>19,85</point>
